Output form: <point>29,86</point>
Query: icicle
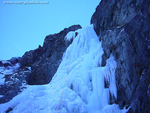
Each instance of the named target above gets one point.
<point>109,74</point>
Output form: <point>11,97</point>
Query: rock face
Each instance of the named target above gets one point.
<point>124,29</point>
<point>45,60</point>
<point>12,79</point>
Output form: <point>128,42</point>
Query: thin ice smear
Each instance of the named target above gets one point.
<point>84,91</point>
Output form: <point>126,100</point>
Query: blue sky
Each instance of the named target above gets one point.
<point>24,27</point>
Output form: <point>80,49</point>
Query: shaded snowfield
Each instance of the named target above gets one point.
<point>80,77</point>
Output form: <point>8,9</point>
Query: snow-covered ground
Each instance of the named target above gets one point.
<point>78,85</point>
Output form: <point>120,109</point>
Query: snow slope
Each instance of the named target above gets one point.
<point>77,86</point>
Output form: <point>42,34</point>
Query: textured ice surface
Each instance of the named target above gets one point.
<point>80,77</point>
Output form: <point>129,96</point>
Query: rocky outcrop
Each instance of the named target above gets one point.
<point>12,79</point>
<point>124,29</point>
<point>45,60</point>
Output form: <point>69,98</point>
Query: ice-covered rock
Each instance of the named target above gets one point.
<point>12,79</point>
<point>78,85</point>
<point>45,60</point>
<point>123,27</point>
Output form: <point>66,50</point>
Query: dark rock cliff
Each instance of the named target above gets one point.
<point>45,60</point>
<point>124,29</point>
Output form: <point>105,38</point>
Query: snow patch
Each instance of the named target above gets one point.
<point>1,96</point>
<point>70,35</point>
<point>6,71</point>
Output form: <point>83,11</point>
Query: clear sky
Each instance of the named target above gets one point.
<point>24,27</point>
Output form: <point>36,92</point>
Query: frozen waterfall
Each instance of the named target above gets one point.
<point>81,78</point>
